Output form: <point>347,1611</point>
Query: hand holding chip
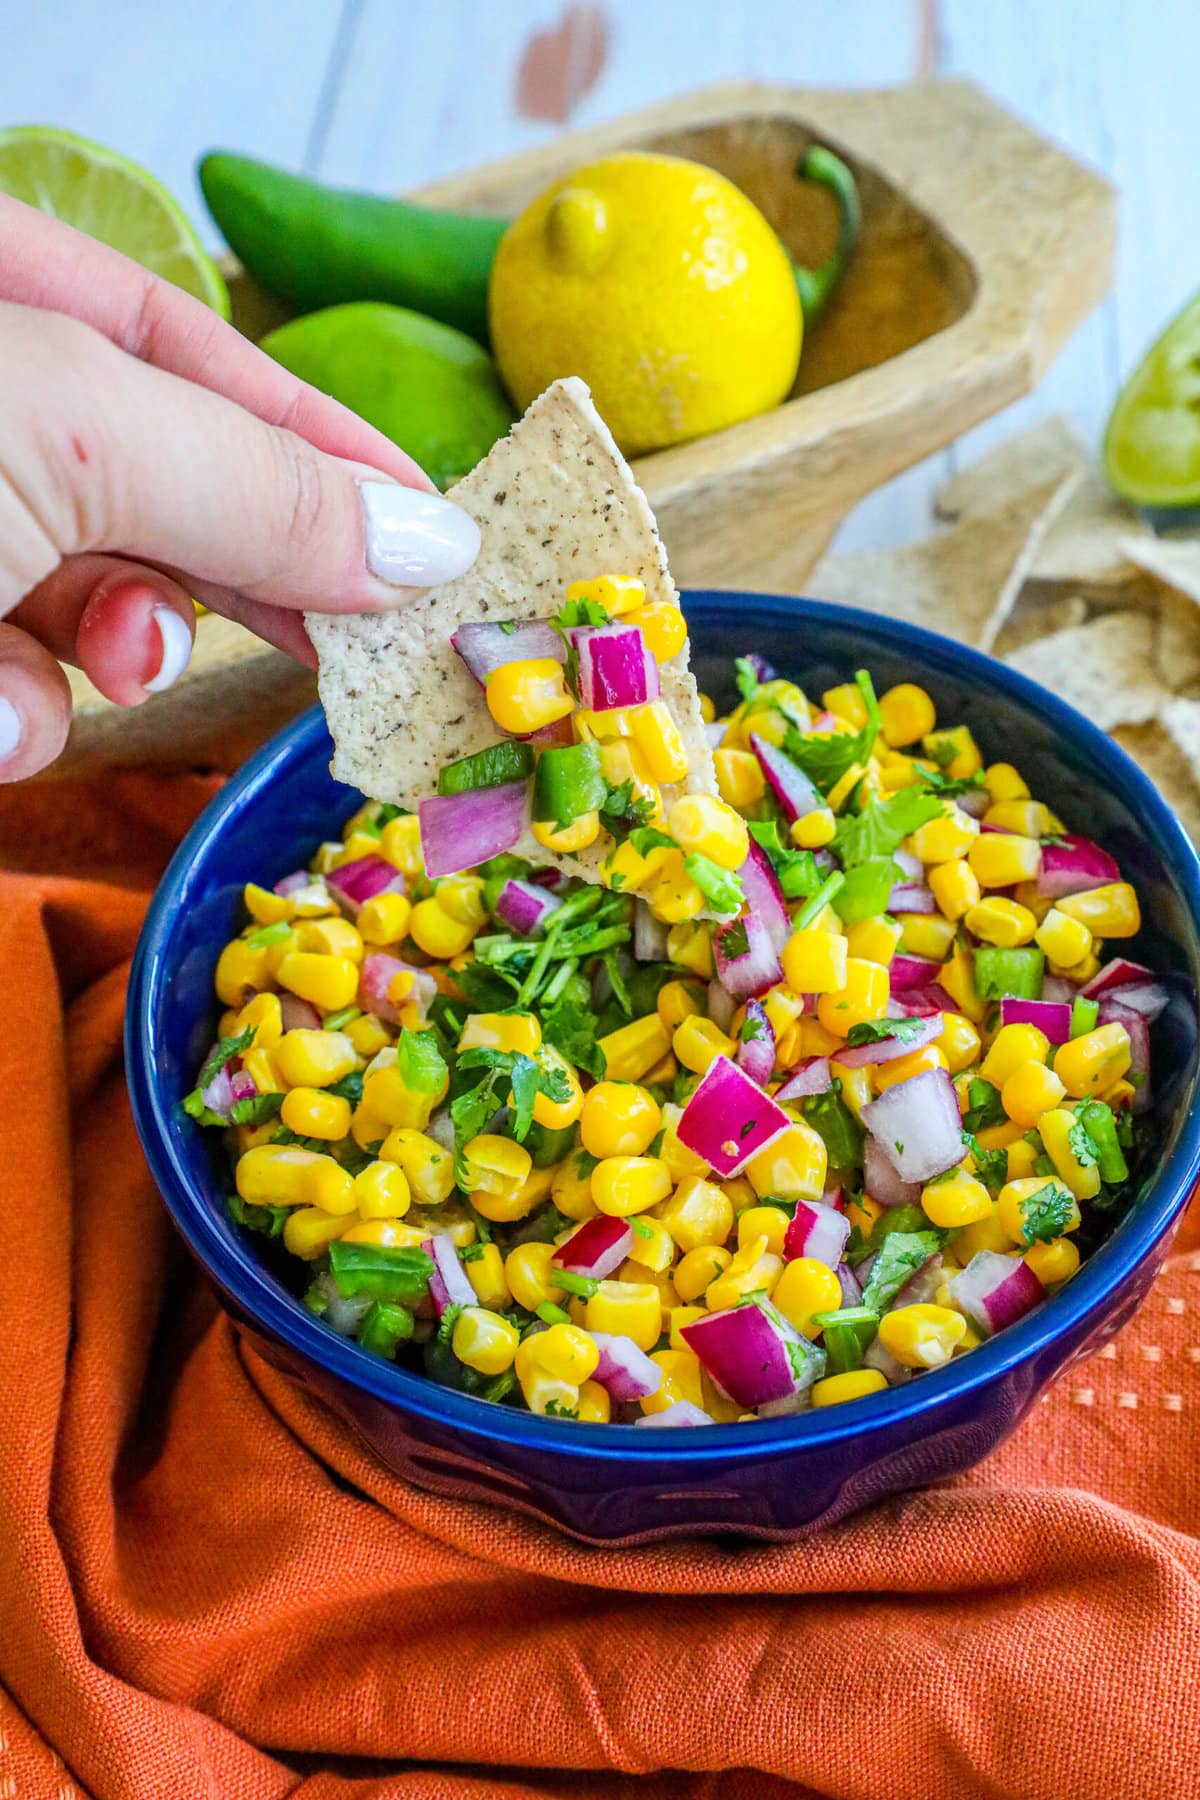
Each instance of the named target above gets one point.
<point>150,455</point>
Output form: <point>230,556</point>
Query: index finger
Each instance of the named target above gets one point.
<point>48,264</point>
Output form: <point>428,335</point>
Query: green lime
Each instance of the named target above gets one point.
<point>1152,444</point>
<point>429,388</point>
<point>111,199</point>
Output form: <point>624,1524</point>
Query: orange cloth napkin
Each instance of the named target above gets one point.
<point>208,1588</point>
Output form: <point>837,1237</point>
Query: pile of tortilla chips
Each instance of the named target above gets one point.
<point>1041,565</point>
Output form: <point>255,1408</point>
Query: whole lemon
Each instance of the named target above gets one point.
<point>658,282</point>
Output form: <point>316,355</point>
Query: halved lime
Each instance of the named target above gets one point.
<point>1152,444</point>
<point>111,199</point>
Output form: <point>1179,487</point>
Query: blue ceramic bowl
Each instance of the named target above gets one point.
<point>610,1483</point>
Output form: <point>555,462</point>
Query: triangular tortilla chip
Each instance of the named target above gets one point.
<point>1157,750</point>
<point>963,581</point>
<point>1173,565</point>
<point>555,501</point>
<point>1105,668</point>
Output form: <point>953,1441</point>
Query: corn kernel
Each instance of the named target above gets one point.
<point>926,934</point>
<point>496,1165</point>
<point>698,1213</point>
<point>984,1234</point>
<point>740,780</point>
<point>957,976</point>
<point>1012,1046</point>
<point>814,962</point>
<point>484,1341</point>
<point>1055,1128</point>
<point>618,1119</point>
<point>329,982</point>
<point>264,1015</point>
<point>437,933</point>
<point>954,751</point>
<point>696,1271</point>
<point>653,1247</point>
<point>698,1042</point>
<point>922,1337</point>
<point>594,1406</point>
<point>792,1166</point>
<point>946,839</point>
<point>502,1031</point>
<point>620,762</point>
<point>663,629</point>
<point>770,1222</point>
<point>677,1001</point>
<point>705,826</point>
<point>753,1269</point>
<point>1021,1160</point>
<point>330,937</point>
<point>1004,783</point>
<point>1001,859</point>
<point>957,1199</point>
<point>627,871</point>
<point>634,1048</point>
<point>617,594</point>
<point>842,789</point>
<point>1053,1263</point>
<point>529,1275</point>
<point>845,702</point>
<point>1013,1201</point>
<point>689,946</point>
<point>997,920</point>
<point>384,919</point>
<point>355,844</point>
<point>671,894</point>
<point>276,1175</point>
<point>677,1318</point>
<point>682,1378</point>
<point>368,1035</point>
<point>541,1389</point>
<point>627,1309</point>
<point>959,1042</point>
<point>367,1129</point>
<point>1065,940</point>
<point>311,1113</point>
<point>629,1184</point>
<point>381,1191</point>
<point>1028,818</point>
<point>566,1351</point>
<point>242,971</point>
<point>265,907</point>
<point>485,1272</point>
<point>526,696</point>
<point>428,1167</point>
<point>954,887</point>
<point>902,1068</point>
<point>1094,1060</point>
<point>1031,1090</point>
<point>657,737</point>
<point>864,995</point>
<point>263,1071</point>
<point>874,940</point>
<point>1110,912</point>
<point>907,713</point>
<point>815,829</point>
<point>571,1188</point>
<point>854,1384</point>
<point>863,1213</point>
<point>309,1231</point>
<point>805,1287</point>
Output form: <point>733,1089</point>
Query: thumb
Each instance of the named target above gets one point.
<point>102,452</point>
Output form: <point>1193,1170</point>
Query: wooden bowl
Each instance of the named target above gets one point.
<point>982,247</point>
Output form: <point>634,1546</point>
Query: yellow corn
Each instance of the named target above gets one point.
<point>617,594</point>
<point>263,1071</point>
<point>679,1159</point>
<point>926,934</point>
<point>907,713</point>
<point>400,844</point>
<point>845,702</point>
<point>653,1247</point>
<point>438,935</point>
<point>902,1068</point>
<point>1012,1046</point>
<point>864,995</point>
<point>965,761</point>
<point>311,1113</point>
<point>1055,1129</point>
<point>626,1308</point>
<point>618,1119</point>
<point>946,839</point>
<point>863,1212</point>
<point>626,870</point>
<point>677,1001</point>
<point>698,1042</point>
<point>1021,1160</point>
<point>959,1042</point>
<point>770,1222</point>
<point>815,829</point>
<point>329,982</point>
<point>330,937</point>
<point>1065,940</point>
<point>1053,1263</point>
<point>657,737</point>
<point>753,1269</point>
<point>541,1389</point>
<point>484,1341</point>
<point>682,1378</point>
<point>805,1287</point>
<point>629,1184</point>
<point>366,1129</point>
<point>502,1031</point>
<point>556,1115</point>
<point>308,1231</point>
<point>571,1189</point>
<point>381,1191</point>
<point>354,845</point>
<point>368,1035</point>
<point>954,887</point>
<point>695,1272</point>
<point>1029,818</point>
<point>1110,912</point>
<point>1094,1060</point>
<point>566,1352</point>
<point>242,971</point>
<point>387,1097</point>
<point>1011,1203</point>
<point>496,1165</point>
<point>922,1337</point>
<point>594,1406</point>
<point>384,919</point>
<point>1001,859</point>
<point>814,962</point>
<point>697,1213</point>
<point>671,894</point>
<point>957,1199</point>
<point>997,920</point>
<point>633,1049</point>
<point>740,779</point>
<point>853,1385</point>
<point>529,1275</point>
<point>428,1168</point>
<point>677,1318</point>
<point>1029,1091</point>
<point>525,696</point>
<point>286,1175</point>
<point>842,789</point>
<point>265,1016</point>
<point>485,1272</point>
<point>264,907</point>
<point>792,1166</point>
<point>874,940</point>
<point>663,628</point>
<point>1004,783</point>
<point>689,946</point>
<point>705,826</point>
<point>621,761</point>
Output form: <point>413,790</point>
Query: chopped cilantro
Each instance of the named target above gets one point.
<point>646,838</point>
<point>574,613</point>
<point>752,1029</point>
<point>901,1254</point>
<point>733,939</point>
<point>622,809</point>
<point>227,1048</point>
<point>795,870</point>
<point>349,1088</point>
<point>419,1063</point>
<point>840,1131</point>
<point>877,1031</point>
<point>270,934</point>
<point>268,1221</point>
<point>1082,1144</point>
<point>746,677</point>
<point>556,1410</point>
<point>569,1023</point>
<point>867,889</point>
<point>882,825</point>
<point>1046,1214</point>
<point>825,757</point>
<point>991,1166</point>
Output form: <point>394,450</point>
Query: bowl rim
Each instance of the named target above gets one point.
<point>237,1271</point>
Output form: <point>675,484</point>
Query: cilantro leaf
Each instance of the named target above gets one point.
<point>570,1025</point>
<point>826,757</point>
<point>836,1125</point>
<point>746,677</point>
<point>949,786</point>
<point>901,1254</point>
<point>574,613</point>
<point>722,888</point>
<point>1046,1214</point>
<point>991,1166</point>
<point>646,838</point>
<point>226,1049</point>
<point>734,940</point>
<point>752,1029</point>
<point>268,1221</point>
<point>526,1078</point>
<point>255,1109</point>
<point>419,1063</point>
<point>1082,1144</point>
<point>882,825</point>
<point>877,1031</point>
<point>795,870</point>
<point>867,889</point>
<point>623,809</point>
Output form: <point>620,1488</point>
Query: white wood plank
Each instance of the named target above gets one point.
<point>161,84</point>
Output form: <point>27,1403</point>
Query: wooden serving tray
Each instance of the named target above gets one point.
<point>983,246</point>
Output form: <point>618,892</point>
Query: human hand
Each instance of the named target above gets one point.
<point>150,455</point>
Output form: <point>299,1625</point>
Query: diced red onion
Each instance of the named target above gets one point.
<point>757,968</point>
<point>1074,867</point>
<point>1054,987</point>
<point>460,830</point>
<point>848,1281</point>
<point>615,667</point>
<point>449,1285</point>
<point>763,670</point>
<point>764,896</point>
<point>242,1084</point>
<point>922,1285</point>
<point>792,788</point>
<point>297,1014</point>
<point>362,880</point>
<point>912,897</point>
<point>877,1356</point>
<point>882,1182</point>
<point>818,1231</point>
<point>623,1369</point>
<point>1053,1017</point>
<point>1117,972</point>
<point>649,935</point>
<point>753,1353</point>
<point>911,972</point>
<point>486,645</point>
<point>291,884</point>
<point>812,1077</point>
<point>721,1005</point>
<point>910,866</point>
<point>524,906</point>
<point>918,1125</point>
<point>596,1247</point>
<point>218,1094</point>
<point>729,1119</point>
<point>975,802</point>
<point>823,724</point>
<point>920,1003</point>
<point>835,1197</point>
<point>1112,1012</point>
<point>553,878</point>
<point>756,1054</point>
<point>378,971</point>
<point>995,1290</point>
<point>1150,998</point>
<point>864,1056</point>
<point>681,1413</point>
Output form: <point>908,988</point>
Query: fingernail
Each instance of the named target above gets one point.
<point>413,538</point>
<point>176,642</point>
<point>10,729</point>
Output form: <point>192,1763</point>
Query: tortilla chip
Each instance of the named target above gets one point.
<point>964,581</point>
<point>1181,720</point>
<point>1105,668</point>
<point>555,501</point>
<point>1173,566</point>
<point>1041,608</point>
<point>1154,747</point>
<point>1084,546</point>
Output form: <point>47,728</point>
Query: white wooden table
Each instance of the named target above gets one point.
<point>388,93</point>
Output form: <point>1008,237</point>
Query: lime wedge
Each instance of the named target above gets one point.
<point>1152,444</point>
<point>111,199</point>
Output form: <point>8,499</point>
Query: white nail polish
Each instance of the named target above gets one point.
<point>176,642</point>
<point>10,729</point>
<point>413,538</point>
